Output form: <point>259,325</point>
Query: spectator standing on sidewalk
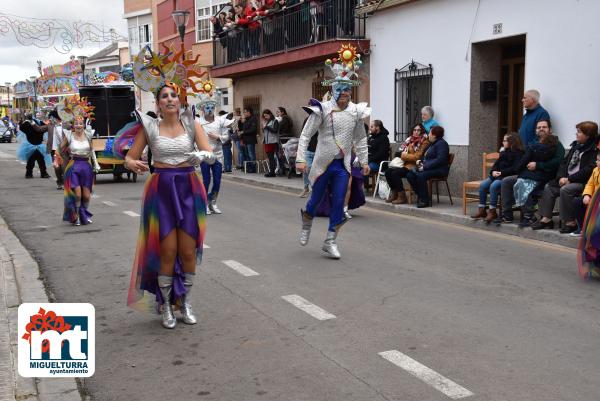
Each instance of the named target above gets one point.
<point>270,139</point>
<point>227,144</point>
<point>249,137</point>
<point>534,112</point>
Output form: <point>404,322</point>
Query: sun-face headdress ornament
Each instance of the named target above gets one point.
<point>344,67</point>
<point>73,107</point>
<point>152,71</point>
<point>208,94</point>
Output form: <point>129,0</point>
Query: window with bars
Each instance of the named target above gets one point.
<point>412,92</point>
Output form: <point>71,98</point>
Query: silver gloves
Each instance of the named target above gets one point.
<point>202,156</point>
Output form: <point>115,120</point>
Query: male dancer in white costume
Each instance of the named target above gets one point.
<point>340,125</point>
<point>217,130</point>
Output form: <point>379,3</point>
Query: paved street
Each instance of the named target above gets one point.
<point>470,314</point>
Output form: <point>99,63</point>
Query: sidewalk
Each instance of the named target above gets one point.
<point>439,212</point>
<point>20,282</point>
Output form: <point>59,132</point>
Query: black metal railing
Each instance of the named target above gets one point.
<point>300,25</point>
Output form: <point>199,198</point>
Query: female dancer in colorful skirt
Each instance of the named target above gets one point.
<point>79,176</point>
<point>173,216</point>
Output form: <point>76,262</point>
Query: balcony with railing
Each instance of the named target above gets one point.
<point>299,35</point>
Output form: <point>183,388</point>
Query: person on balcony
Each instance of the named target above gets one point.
<point>341,127</point>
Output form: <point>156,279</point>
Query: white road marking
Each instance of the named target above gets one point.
<point>240,268</point>
<point>310,308</point>
<point>427,375</point>
<point>4,155</point>
<point>109,203</point>
<point>130,213</point>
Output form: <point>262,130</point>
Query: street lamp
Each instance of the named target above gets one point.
<point>7,96</point>
<point>33,81</point>
<point>82,61</point>
<point>181,18</point>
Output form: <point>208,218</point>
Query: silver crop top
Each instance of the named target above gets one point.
<point>170,150</point>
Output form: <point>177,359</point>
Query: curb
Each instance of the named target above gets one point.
<point>21,282</point>
<point>551,236</point>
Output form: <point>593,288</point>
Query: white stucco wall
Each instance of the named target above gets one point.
<point>562,55</point>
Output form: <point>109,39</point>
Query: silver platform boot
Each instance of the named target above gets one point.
<point>165,284</point>
<point>306,227</point>
<point>77,221</point>
<point>212,205</point>
<point>186,308</point>
<point>330,246</point>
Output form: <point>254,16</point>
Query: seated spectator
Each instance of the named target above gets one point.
<point>531,181</point>
<point>506,165</point>
<point>543,128</point>
<point>410,151</point>
<point>574,171</point>
<point>434,164</point>
<point>588,257</point>
<point>427,117</point>
<point>379,145</point>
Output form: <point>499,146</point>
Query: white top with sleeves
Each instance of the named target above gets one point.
<point>170,150</point>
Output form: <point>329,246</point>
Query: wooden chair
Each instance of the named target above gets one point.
<point>473,197</point>
<point>437,180</point>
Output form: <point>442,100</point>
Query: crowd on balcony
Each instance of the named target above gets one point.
<point>255,27</point>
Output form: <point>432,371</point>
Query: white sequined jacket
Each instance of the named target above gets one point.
<point>338,130</point>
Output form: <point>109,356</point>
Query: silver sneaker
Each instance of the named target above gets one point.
<point>212,205</point>
<point>346,214</point>
<point>330,246</point>
<point>186,307</point>
<point>307,221</point>
<point>165,285</point>
<point>208,211</point>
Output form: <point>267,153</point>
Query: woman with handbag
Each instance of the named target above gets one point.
<point>405,158</point>
<point>270,140</point>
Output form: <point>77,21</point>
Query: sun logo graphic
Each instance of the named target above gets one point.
<point>56,340</point>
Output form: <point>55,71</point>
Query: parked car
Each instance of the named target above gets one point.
<point>6,134</point>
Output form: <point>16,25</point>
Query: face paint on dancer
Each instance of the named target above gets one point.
<point>342,93</point>
<point>209,109</point>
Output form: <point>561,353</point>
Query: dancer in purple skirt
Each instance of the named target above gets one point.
<point>79,175</point>
<point>173,209</point>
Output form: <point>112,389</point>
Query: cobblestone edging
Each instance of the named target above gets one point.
<point>431,213</point>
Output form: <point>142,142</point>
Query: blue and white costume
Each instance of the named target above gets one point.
<point>339,132</point>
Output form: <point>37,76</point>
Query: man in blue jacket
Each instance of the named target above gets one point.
<point>534,112</point>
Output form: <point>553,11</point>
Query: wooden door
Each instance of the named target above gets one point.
<point>512,86</point>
